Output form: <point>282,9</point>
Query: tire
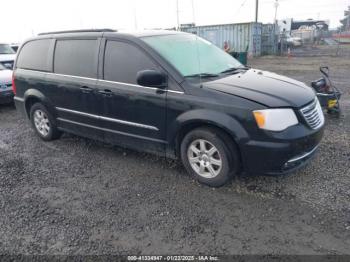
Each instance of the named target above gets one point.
<point>213,164</point>
<point>43,122</point>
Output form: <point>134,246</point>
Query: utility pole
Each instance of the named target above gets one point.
<point>348,13</point>
<point>193,14</point>
<point>256,10</point>
<point>276,28</point>
<point>276,7</point>
<point>178,15</point>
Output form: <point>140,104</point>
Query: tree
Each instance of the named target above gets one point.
<point>346,21</point>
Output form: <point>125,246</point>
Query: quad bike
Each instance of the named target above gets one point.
<point>327,93</point>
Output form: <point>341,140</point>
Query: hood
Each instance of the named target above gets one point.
<point>7,57</point>
<point>5,76</point>
<point>265,88</point>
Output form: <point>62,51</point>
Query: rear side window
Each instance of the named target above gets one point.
<point>34,55</point>
<point>123,61</point>
<point>76,58</point>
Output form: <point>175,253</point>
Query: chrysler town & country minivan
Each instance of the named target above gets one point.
<point>169,93</point>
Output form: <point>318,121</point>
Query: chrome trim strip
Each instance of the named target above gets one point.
<point>108,119</point>
<point>79,77</point>
<point>18,99</point>
<point>77,112</point>
<point>322,94</point>
<point>110,130</point>
<point>175,92</point>
<point>303,156</point>
<point>128,123</point>
<point>108,81</point>
<point>127,84</point>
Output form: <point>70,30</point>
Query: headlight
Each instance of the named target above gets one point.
<point>275,119</point>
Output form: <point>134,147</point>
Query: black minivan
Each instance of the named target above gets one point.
<point>169,93</point>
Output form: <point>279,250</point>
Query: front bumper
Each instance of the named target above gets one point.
<point>295,163</point>
<point>6,97</point>
<point>283,155</point>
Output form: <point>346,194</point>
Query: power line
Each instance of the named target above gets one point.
<point>314,5</point>
<point>312,13</point>
<point>240,7</point>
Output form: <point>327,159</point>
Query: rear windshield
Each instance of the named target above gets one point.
<point>34,55</point>
<point>6,49</point>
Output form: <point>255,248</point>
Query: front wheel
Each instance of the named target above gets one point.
<point>209,156</point>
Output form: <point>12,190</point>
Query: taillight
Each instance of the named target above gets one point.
<point>13,84</point>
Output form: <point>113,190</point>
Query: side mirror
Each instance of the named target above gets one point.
<point>151,78</point>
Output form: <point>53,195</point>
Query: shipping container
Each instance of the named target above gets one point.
<point>269,39</point>
<point>240,37</point>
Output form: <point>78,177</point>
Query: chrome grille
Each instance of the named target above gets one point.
<point>313,114</point>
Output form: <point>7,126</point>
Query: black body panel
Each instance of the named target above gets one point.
<point>267,88</point>
<point>153,119</point>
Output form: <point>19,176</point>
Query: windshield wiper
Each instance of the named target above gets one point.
<point>203,75</point>
<point>233,69</point>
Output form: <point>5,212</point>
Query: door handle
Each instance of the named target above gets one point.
<point>106,92</point>
<point>86,89</point>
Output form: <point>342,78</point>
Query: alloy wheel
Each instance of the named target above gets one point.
<point>204,158</point>
<point>41,122</point>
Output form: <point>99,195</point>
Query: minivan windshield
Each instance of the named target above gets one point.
<point>6,49</point>
<point>192,55</point>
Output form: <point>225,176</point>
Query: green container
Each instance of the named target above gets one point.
<point>242,57</point>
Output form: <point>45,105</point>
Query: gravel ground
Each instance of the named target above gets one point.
<point>78,196</point>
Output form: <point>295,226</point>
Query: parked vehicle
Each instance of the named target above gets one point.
<point>286,41</point>
<point>15,47</point>
<point>294,41</point>
<point>169,93</point>
<point>7,56</point>
<point>6,93</point>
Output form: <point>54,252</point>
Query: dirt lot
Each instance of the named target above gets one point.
<point>78,196</point>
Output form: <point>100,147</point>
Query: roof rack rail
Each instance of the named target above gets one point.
<point>80,31</point>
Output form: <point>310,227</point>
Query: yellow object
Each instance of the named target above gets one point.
<point>259,118</point>
<point>332,103</point>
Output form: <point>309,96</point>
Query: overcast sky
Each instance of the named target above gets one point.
<point>23,18</point>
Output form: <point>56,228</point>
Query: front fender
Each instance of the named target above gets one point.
<point>210,117</point>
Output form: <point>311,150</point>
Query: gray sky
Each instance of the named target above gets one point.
<point>24,18</point>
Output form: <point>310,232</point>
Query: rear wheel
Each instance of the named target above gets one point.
<point>43,122</point>
<point>209,156</point>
